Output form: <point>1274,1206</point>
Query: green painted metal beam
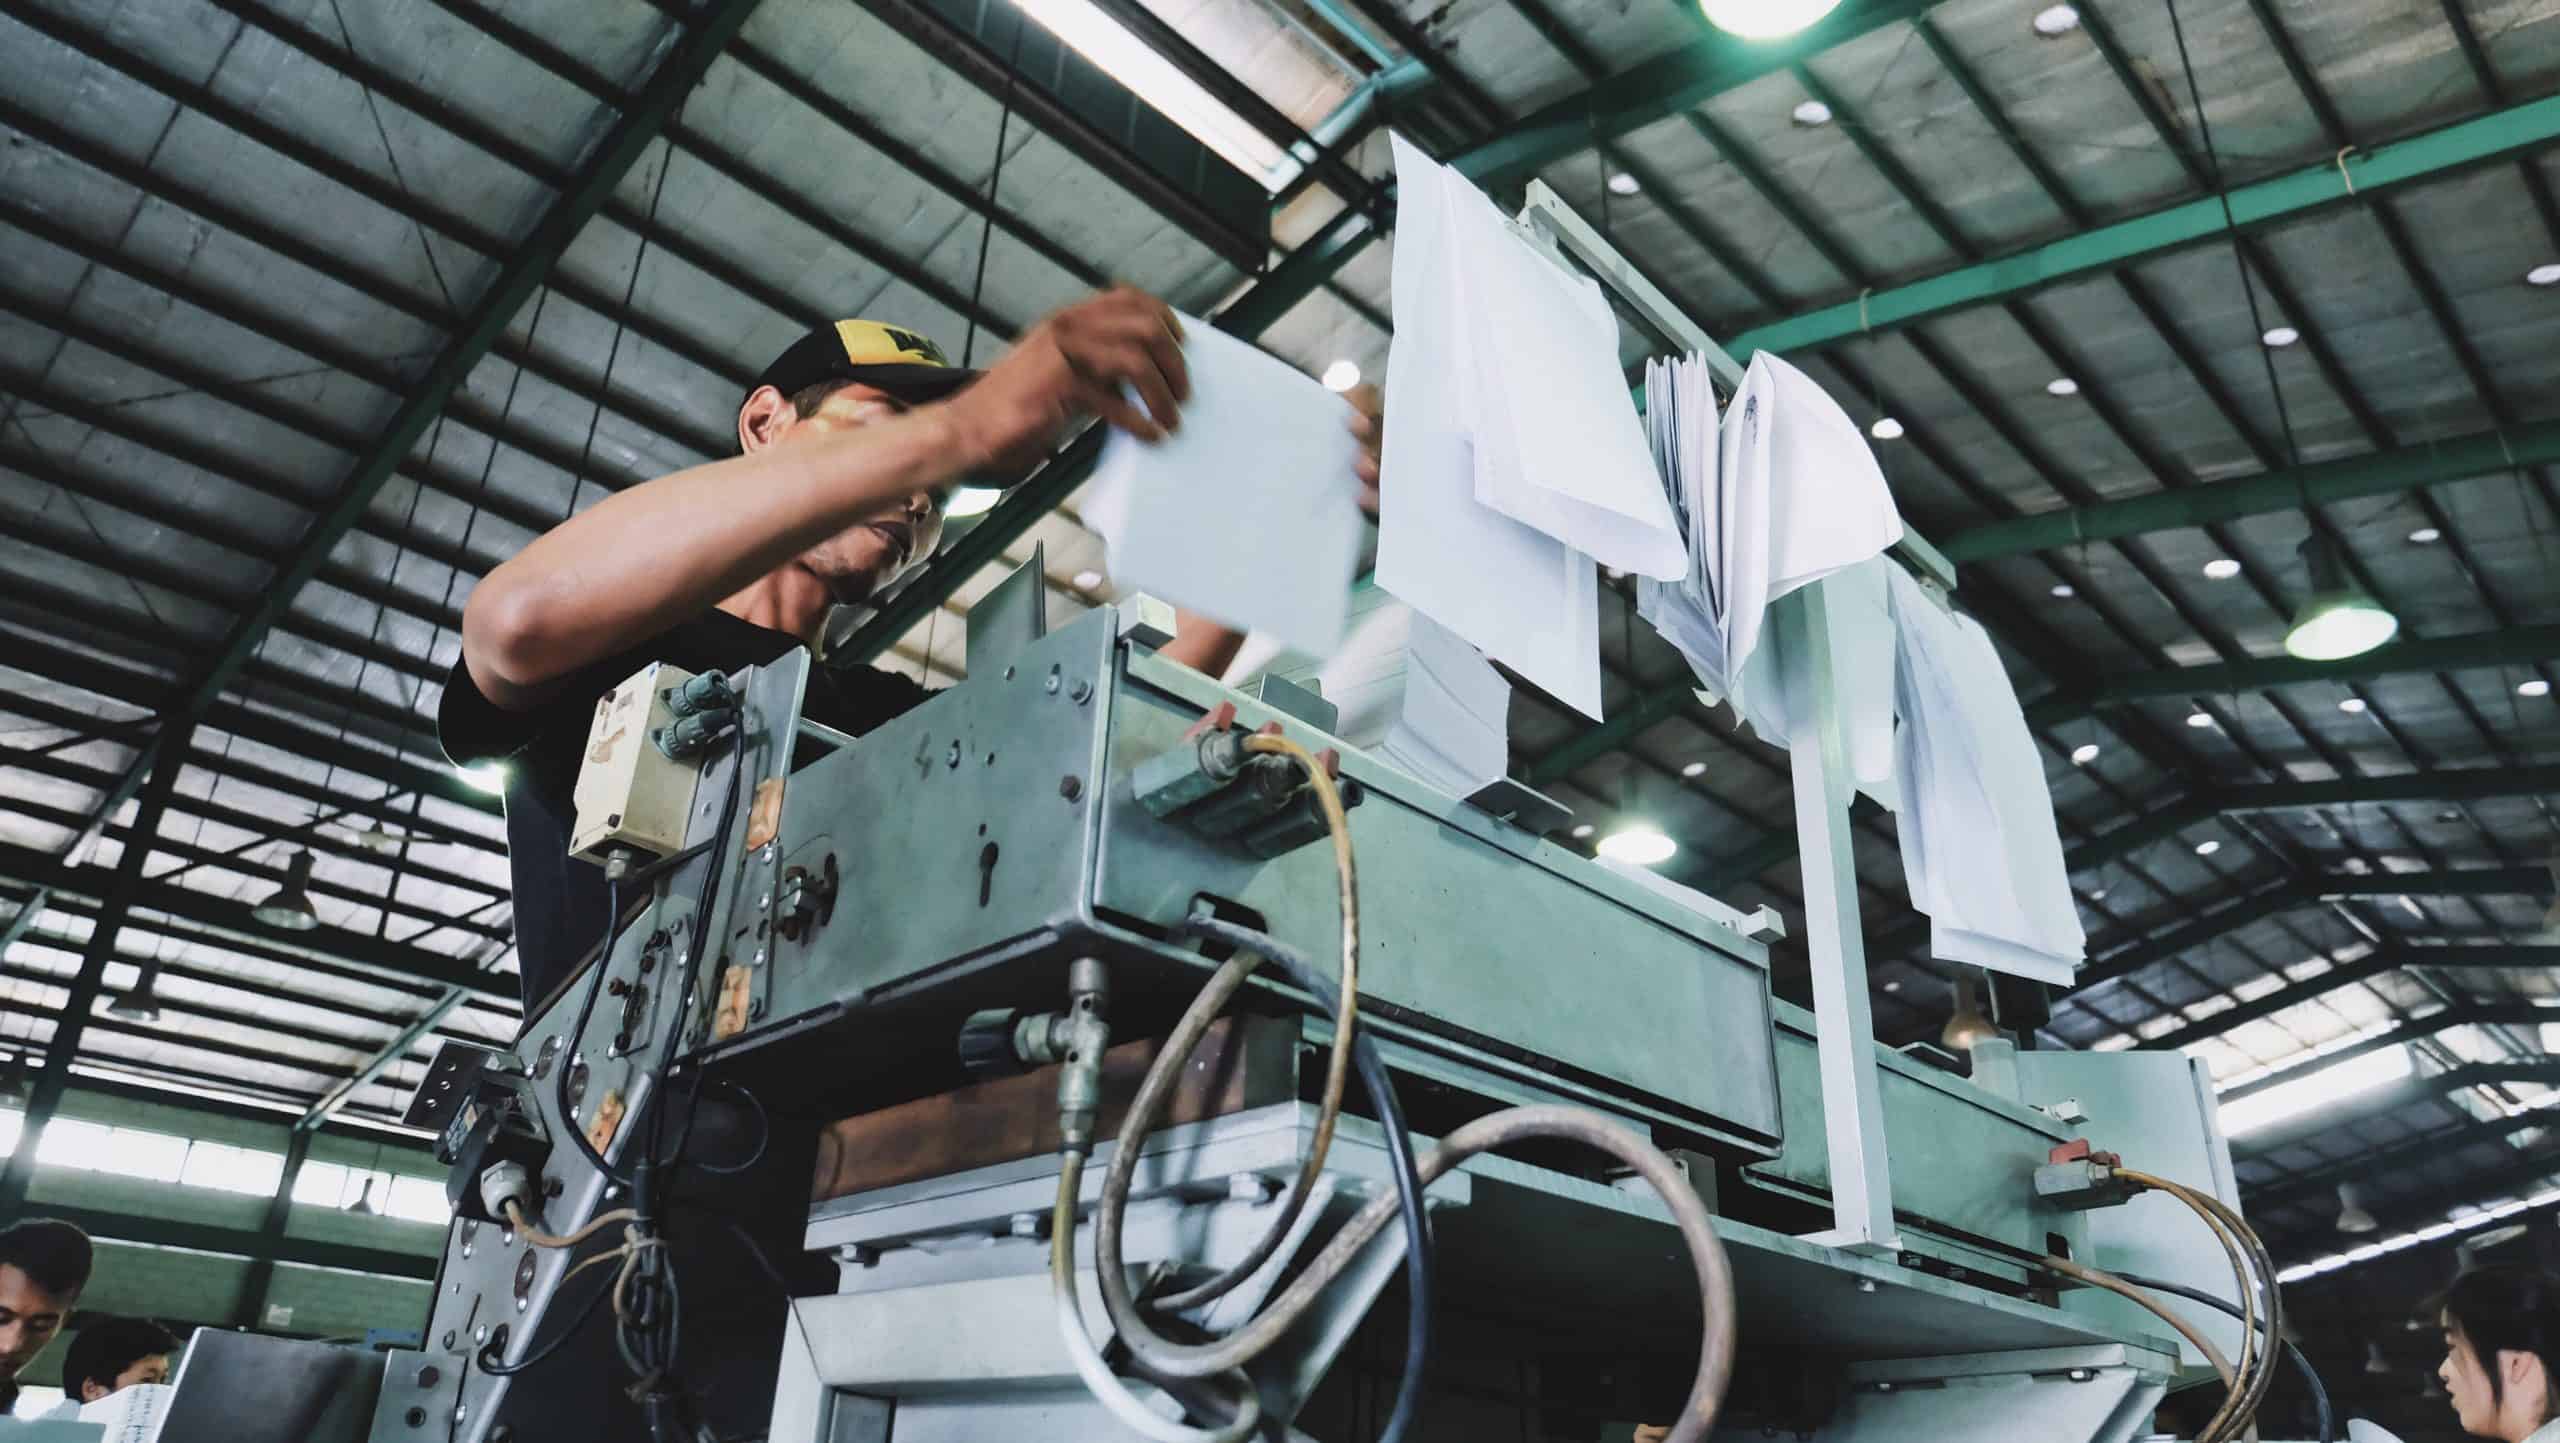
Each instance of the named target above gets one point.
<point>525,267</point>
<point>2400,1157</point>
<point>241,1242</point>
<point>2452,785</point>
<point>2515,646</point>
<point>1664,86</point>
<point>2322,483</point>
<point>2291,892</point>
<point>382,1060</point>
<point>2500,135</point>
<point>2462,957</point>
<point>2437,882</point>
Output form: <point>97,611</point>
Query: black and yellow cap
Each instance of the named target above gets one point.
<point>904,363</point>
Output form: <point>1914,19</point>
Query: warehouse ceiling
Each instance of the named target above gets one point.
<point>313,312</point>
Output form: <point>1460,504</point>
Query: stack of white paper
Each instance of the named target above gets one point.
<point>130,1415</point>
<point>1248,513</point>
<point>1979,847</point>
<point>1680,423</point>
<point>1416,694</point>
<point>1514,456</point>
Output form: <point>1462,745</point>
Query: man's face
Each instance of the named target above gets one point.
<point>862,560</point>
<point>29,1317</point>
<point>153,1369</point>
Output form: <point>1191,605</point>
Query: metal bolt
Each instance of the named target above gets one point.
<point>952,758</point>
<point>858,1255</point>
<point>759,962</point>
<point>1866,1285</point>
<point>755,1009</point>
<point>1008,673</point>
<point>767,854</point>
<point>1071,786</point>
<point>428,1377</point>
<point>1023,1225</point>
<point>1884,1387</point>
<point>480,1334</point>
<point>2082,1375</point>
<point>460,1412</point>
<point>1051,687</point>
<point>763,900</point>
<point>415,1417</point>
<point>448,1340</point>
<point>1083,692</point>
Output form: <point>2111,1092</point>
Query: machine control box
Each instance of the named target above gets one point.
<point>632,794</point>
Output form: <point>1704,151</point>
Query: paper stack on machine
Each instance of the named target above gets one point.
<point>1780,492</point>
<point>1515,452</point>
<point>1410,690</point>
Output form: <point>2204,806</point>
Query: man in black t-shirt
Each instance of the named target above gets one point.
<point>848,444</point>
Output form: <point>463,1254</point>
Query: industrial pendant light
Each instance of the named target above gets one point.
<point>2352,1215</point>
<point>2338,619</point>
<point>290,907</point>
<point>1765,19</point>
<point>363,1205</point>
<point>1967,1026</point>
<point>141,1001</point>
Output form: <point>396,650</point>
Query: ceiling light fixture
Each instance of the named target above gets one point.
<point>363,1206</point>
<point>972,501</point>
<point>1154,79</point>
<point>2339,619</point>
<point>2222,568</point>
<point>1582,831</point>
<point>2352,706</point>
<point>290,908</point>
<point>1886,429</point>
<point>2280,337</point>
<point>2352,1215</point>
<point>2535,687</point>
<point>1967,1027</point>
<point>2084,754</point>
<point>2099,895</point>
<point>1342,375</point>
<point>2207,848</point>
<point>490,777</point>
<point>1621,183</point>
<point>2062,386</point>
<point>1640,843</point>
<point>2543,275</point>
<point>1694,769</point>
<point>1087,580</point>
<point>2062,590</point>
<point>2199,720</point>
<point>2426,536</point>
<point>2055,21</point>
<point>1765,19</point>
<point>141,1001</point>
<point>1811,113</point>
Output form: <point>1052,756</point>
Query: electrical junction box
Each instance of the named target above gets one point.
<point>631,795</point>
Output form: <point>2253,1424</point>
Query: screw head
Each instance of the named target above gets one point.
<point>1071,786</point>
<point>759,962</point>
<point>480,1334</point>
<point>763,900</point>
<point>1051,685</point>
<point>428,1376</point>
<point>766,856</point>
<point>755,1009</point>
<point>952,758</point>
<point>460,1412</point>
<point>448,1339</point>
<point>1083,692</point>
<point>1866,1285</point>
<point>415,1417</point>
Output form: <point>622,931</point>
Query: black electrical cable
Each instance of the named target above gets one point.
<point>1418,1260</point>
<point>496,1367</point>
<point>569,1040</point>
<point>2310,1375</point>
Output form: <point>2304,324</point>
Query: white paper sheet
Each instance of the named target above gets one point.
<point>1511,591</point>
<point>1250,512</point>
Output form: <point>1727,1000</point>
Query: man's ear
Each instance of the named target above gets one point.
<point>91,1390</point>
<point>762,420</point>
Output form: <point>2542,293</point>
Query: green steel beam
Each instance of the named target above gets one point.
<point>2399,1157</point>
<point>24,917</point>
<point>525,267</point>
<point>2452,957</point>
<point>2440,882</point>
<point>1662,87</point>
<point>2378,473</point>
<point>252,1306</point>
<point>242,1242</point>
<point>382,1061</point>
<point>2454,785</point>
<point>2240,912</point>
<point>2409,1092</point>
<point>2291,892</point>
<point>2514,646</point>
<point>2500,135</point>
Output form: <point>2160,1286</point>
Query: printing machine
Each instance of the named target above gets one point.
<point>833,967</point>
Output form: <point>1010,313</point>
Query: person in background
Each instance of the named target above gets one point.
<point>110,1355</point>
<point>44,1263</point>
<point>2501,1345</point>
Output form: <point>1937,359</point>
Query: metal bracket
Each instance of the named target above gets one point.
<point>1006,621</point>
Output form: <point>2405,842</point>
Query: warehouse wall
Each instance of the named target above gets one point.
<point>184,1253</point>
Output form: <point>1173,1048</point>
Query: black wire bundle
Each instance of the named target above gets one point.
<point>2310,1375</point>
<point>1418,1263</point>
